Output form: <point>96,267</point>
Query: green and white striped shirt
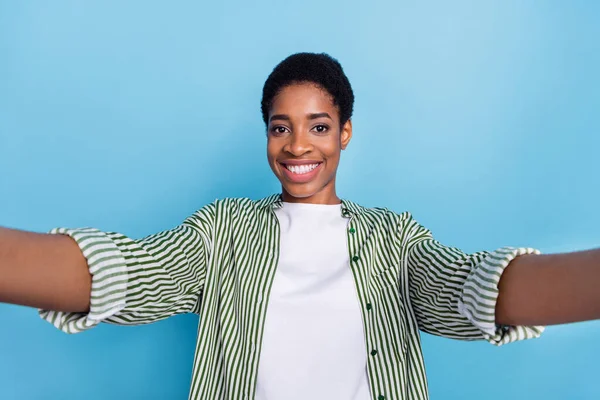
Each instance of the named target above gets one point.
<point>220,263</point>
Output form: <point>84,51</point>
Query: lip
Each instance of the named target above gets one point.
<point>300,178</point>
<point>299,162</point>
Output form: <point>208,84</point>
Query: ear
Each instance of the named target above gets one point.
<point>346,134</point>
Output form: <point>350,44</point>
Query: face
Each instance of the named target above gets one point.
<point>304,143</point>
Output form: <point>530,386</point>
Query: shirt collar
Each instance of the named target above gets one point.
<point>275,201</point>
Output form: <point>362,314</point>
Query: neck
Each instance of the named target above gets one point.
<point>321,197</point>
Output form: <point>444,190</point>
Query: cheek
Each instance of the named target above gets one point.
<point>271,149</point>
<point>331,149</point>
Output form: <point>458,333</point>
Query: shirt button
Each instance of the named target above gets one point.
<point>381,397</point>
<point>259,300</point>
<point>369,306</point>
<point>352,230</point>
<point>355,258</point>
<point>373,352</point>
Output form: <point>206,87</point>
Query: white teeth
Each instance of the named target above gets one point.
<point>302,169</point>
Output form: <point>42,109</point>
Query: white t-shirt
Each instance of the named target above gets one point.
<point>313,344</point>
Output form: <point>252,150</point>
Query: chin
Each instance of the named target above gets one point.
<point>299,193</point>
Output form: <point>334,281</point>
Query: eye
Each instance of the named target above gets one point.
<point>278,130</point>
<point>321,128</point>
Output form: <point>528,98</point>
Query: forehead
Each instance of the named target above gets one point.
<point>303,98</point>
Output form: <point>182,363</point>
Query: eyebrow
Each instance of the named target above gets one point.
<point>279,116</point>
<point>319,115</point>
<point>310,116</point>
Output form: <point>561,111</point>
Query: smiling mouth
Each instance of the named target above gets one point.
<point>301,169</point>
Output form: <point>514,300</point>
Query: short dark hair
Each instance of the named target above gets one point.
<point>318,68</point>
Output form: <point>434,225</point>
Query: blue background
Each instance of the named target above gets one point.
<point>481,119</point>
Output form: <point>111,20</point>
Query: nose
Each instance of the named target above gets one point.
<point>298,144</point>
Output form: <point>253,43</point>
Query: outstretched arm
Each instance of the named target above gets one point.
<point>132,281</point>
<point>550,289</point>
<point>43,271</point>
<point>454,294</point>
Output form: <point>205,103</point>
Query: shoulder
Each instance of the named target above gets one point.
<point>233,204</point>
<point>377,213</point>
<point>402,224</point>
<point>234,208</point>
<point>239,205</point>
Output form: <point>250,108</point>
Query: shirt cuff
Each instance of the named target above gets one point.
<point>109,281</point>
<point>480,294</point>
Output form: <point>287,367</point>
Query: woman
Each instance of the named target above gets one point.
<point>302,295</point>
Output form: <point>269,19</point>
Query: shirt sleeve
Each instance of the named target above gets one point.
<point>140,281</point>
<point>454,294</point>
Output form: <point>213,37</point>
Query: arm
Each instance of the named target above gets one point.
<point>132,281</point>
<point>550,289</point>
<point>454,294</point>
<point>43,271</point>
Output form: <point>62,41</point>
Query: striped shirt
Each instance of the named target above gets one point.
<point>220,263</point>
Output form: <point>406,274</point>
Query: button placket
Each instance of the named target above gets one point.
<point>354,259</point>
<point>351,230</point>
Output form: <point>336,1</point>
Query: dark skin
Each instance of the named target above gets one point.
<point>304,124</point>
<point>534,289</point>
<point>49,271</point>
